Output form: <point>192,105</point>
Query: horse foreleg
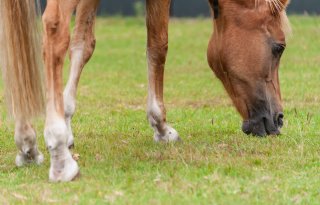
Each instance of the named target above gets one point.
<point>25,138</point>
<point>56,20</point>
<point>157,26</point>
<point>81,50</point>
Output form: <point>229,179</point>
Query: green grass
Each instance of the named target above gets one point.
<point>215,164</point>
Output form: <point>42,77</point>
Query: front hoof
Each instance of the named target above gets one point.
<point>64,170</point>
<point>170,135</point>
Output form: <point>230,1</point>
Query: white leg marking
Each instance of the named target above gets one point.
<point>55,133</point>
<point>63,166</point>
<point>162,131</point>
<point>25,139</point>
<point>69,109</point>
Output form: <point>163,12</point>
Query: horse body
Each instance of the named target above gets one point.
<point>237,74</point>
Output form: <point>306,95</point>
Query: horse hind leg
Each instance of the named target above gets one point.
<point>25,139</point>
<point>81,49</point>
<point>157,26</point>
<point>56,20</point>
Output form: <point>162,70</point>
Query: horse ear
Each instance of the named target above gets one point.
<point>215,7</point>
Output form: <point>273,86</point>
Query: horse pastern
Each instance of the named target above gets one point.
<point>63,170</point>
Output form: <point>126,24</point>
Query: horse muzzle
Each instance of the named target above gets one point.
<point>264,125</point>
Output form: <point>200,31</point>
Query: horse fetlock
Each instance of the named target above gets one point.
<point>69,110</point>
<point>169,134</point>
<point>63,167</point>
<point>56,134</point>
<point>154,119</point>
<point>154,114</point>
<point>24,136</point>
<point>70,140</point>
<point>25,139</point>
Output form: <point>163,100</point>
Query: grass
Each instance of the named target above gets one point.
<point>215,164</point>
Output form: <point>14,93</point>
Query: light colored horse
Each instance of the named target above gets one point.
<point>244,53</point>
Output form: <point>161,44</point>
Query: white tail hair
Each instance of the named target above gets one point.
<point>20,58</point>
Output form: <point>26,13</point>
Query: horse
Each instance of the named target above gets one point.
<point>248,39</point>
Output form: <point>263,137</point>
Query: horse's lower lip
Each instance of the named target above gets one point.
<point>258,129</point>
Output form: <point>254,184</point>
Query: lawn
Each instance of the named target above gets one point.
<point>215,164</point>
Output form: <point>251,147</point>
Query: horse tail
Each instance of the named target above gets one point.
<point>20,58</point>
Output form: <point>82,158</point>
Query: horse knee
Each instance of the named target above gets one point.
<point>82,49</point>
<point>158,53</point>
<point>56,33</point>
<point>50,24</point>
<point>50,18</point>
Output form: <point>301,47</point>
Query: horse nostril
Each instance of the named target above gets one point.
<point>246,128</point>
<point>280,119</point>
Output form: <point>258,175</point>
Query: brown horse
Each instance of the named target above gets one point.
<point>244,53</point>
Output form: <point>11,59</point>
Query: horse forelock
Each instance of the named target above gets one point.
<point>278,8</point>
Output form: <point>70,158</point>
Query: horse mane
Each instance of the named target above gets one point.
<point>276,6</point>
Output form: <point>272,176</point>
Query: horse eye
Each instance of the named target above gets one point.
<point>277,49</point>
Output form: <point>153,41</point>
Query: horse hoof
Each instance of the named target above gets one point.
<point>64,171</point>
<point>171,135</point>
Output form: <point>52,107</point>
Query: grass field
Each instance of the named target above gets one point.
<point>215,164</point>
